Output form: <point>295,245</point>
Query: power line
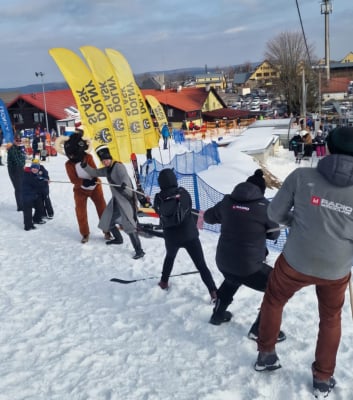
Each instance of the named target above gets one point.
<point>304,37</point>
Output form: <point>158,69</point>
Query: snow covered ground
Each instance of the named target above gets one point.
<point>68,333</point>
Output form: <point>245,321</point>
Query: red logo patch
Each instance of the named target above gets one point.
<point>316,201</point>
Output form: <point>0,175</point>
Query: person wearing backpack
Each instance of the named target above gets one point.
<point>173,204</point>
<point>241,248</point>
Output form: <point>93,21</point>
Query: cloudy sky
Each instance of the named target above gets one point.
<point>158,34</point>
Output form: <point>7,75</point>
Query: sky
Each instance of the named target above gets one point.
<point>159,35</point>
<point>68,333</point>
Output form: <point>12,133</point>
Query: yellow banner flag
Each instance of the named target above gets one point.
<point>107,81</point>
<point>158,110</point>
<point>143,134</point>
<point>94,115</point>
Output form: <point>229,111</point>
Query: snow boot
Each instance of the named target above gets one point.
<point>118,239</point>
<point>323,388</point>
<point>85,239</point>
<point>135,240</point>
<point>220,314</point>
<point>267,361</point>
<point>163,285</point>
<point>254,331</point>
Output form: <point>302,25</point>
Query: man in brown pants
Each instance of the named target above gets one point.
<point>315,203</point>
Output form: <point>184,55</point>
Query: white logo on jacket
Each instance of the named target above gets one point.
<point>331,205</point>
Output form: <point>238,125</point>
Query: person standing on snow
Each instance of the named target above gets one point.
<point>184,235</point>
<point>85,186</point>
<point>315,203</point>
<point>122,208</point>
<point>320,144</point>
<point>165,135</point>
<point>33,186</point>
<point>47,204</point>
<point>241,248</point>
<point>16,160</point>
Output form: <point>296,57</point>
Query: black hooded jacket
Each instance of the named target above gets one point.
<point>241,247</point>
<point>187,230</point>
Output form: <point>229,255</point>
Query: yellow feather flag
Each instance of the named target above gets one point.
<point>94,115</point>
<point>158,110</point>
<point>137,112</point>
<point>105,76</point>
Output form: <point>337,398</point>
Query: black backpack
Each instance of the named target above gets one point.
<point>173,209</point>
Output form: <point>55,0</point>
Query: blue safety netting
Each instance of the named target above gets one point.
<point>186,166</point>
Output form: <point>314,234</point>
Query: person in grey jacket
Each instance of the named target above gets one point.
<point>241,248</point>
<point>122,208</point>
<point>315,203</point>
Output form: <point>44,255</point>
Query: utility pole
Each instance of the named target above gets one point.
<point>319,68</point>
<point>303,97</point>
<point>326,9</point>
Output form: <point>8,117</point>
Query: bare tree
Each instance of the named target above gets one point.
<point>289,53</point>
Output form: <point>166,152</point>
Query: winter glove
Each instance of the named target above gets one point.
<point>122,187</point>
<point>89,182</point>
<point>83,164</point>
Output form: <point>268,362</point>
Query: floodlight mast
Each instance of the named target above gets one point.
<point>41,74</point>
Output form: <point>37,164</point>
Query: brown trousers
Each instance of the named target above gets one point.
<point>81,196</point>
<point>283,283</point>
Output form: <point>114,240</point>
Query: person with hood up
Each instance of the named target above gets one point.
<point>315,203</point>
<point>122,208</point>
<point>241,248</point>
<point>185,235</point>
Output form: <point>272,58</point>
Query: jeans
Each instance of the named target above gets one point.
<point>283,283</point>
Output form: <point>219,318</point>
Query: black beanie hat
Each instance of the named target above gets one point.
<point>340,141</point>
<point>103,153</point>
<point>258,180</point>
<point>167,179</point>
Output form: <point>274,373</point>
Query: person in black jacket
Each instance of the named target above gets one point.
<point>33,186</point>
<point>16,160</point>
<point>296,144</point>
<point>241,248</point>
<point>185,235</point>
<point>47,204</point>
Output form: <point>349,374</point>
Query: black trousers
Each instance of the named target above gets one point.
<point>16,177</point>
<point>48,207</point>
<point>28,218</point>
<point>231,283</point>
<point>194,249</point>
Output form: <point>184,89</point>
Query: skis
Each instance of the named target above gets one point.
<point>123,281</point>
